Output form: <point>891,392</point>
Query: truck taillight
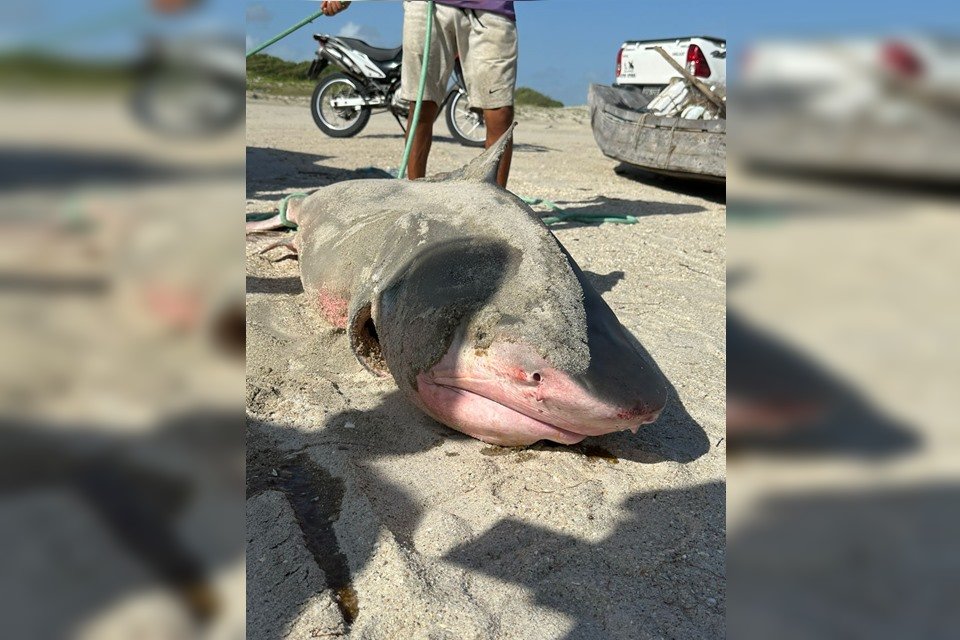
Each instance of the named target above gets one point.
<point>697,62</point>
<point>901,60</point>
<point>619,62</point>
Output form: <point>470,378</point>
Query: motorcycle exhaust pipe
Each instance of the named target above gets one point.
<point>341,60</point>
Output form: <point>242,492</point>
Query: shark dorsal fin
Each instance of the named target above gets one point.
<point>484,167</point>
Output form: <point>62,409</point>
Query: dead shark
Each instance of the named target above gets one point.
<point>454,287</point>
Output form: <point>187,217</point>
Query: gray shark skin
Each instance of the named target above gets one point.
<point>454,287</point>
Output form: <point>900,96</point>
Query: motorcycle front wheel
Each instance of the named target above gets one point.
<point>338,122</point>
<point>466,126</point>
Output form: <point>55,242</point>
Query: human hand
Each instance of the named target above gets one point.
<point>171,6</point>
<point>333,7</point>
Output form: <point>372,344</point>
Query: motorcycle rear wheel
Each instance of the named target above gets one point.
<point>183,104</point>
<point>466,126</point>
<point>338,122</point>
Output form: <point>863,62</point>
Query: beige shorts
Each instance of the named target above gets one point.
<point>485,41</point>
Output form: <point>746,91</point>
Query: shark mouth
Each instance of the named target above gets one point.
<point>487,419</point>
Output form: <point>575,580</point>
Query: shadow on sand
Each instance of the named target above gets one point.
<point>270,172</point>
<point>821,563</point>
<point>673,557</point>
<point>102,517</point>
<point>604,206</point>
<point>667,527</point>
<point>706,189</point>
<point>764,371</point>
<point>22,169</point>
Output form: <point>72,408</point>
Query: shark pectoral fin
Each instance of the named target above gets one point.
<point>364,341</point>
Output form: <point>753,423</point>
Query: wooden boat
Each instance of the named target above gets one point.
<point>626,132</point>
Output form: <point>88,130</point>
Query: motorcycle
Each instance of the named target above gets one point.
<point>370,79</point>
<point>191,86</point>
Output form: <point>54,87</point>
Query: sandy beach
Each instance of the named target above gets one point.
<point>367,519</point>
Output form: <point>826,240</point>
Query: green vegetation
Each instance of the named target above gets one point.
<point>273,68</point>
<point>271,75</point>
<point>527,97</point>
<point>39,70</point>
<point>265,74</point>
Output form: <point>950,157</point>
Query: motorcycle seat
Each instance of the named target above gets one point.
<point>374,53</point>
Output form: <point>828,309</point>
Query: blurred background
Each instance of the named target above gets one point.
<point>121,182</point>
<point>121,319</point>
<point>843,179</point>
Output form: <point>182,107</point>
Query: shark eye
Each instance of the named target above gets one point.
<point>536,377</point>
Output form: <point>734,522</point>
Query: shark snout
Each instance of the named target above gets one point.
<point>600,408</point>
<point>506,395</point>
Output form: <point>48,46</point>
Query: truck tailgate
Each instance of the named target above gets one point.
<point>642,65</point>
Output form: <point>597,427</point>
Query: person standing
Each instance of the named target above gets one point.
<point>483,34</point>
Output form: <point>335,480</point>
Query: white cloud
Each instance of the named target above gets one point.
<point>363,32</point>
<point>258,13</point>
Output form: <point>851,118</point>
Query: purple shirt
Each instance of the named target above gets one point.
<point>503,7</point>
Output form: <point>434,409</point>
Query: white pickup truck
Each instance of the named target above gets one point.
<point>639,66</point>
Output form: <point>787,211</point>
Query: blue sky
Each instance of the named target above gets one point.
<point>564,44</point>
<point>567,44</point>
<point>106,28</point>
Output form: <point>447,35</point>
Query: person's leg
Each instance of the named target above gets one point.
<point>422,139</point>
<point>498,121</point>
<point>488,52</point>
<point>439,67</point>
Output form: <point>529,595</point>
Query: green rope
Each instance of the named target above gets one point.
<point>423,82</point>
<point>281,209</point>
<point>285,33</point>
